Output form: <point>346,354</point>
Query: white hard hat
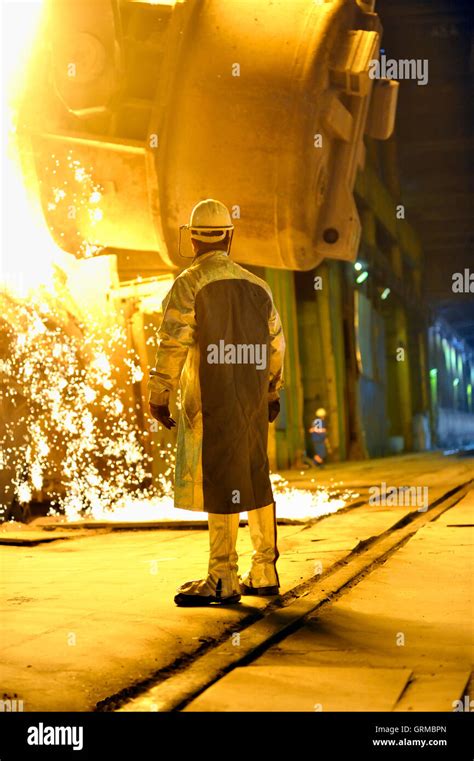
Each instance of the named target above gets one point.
<point>210,220</point>
<point>320,412</point>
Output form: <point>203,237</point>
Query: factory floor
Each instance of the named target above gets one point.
<point>402,639</point>
<point>375,614</point>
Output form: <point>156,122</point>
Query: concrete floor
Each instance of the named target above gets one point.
<point>86,618</point>
<point>402,639</point>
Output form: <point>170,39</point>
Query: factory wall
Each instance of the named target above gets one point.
<point>451,381</point>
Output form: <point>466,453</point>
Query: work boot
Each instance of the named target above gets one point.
<point>247,588</point>
<point>197,594</point>
<point>262,579</point>
<point>222,583</point>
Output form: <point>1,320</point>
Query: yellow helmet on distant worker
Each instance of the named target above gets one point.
<point>210,220</point>
<point>320,412</point>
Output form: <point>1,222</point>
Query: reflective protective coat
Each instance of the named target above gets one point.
<point>222,343</point>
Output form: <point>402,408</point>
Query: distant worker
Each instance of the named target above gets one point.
<point>222,343</point>
<point>319,437</point>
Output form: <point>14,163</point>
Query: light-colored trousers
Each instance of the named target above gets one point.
<point>223,559</point>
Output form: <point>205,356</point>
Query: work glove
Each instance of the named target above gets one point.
<point>273,410</point>
<point>161,412</point>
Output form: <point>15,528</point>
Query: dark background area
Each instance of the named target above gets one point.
<point>436,142</point>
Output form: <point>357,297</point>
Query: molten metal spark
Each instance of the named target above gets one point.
<point>71,436</point>
<point>291,503</point>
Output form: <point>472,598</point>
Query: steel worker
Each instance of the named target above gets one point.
<point>319,436</point>
<point>221,461</point>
